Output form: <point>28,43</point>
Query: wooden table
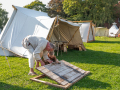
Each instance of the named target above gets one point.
<point>64,48</point>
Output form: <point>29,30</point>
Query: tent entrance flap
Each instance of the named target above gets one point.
<point>73,36</point>
<point>63,35</point>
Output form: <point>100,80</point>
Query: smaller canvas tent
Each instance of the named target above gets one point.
<point>86,30</point>
<point>24,22</point>
<point>101,31</point>
<point>114,30</point>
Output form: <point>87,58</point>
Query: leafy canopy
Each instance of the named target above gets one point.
<point>56,8</point>
<point>3,17</point>
<point>36,5</point>
<point>100,11</point>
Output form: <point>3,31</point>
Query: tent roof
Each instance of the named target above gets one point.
<point>100,27</point>
<point>39,15</point>
<point>71,23</point>
<point>32,13</point>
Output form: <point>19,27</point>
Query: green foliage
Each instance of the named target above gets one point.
<point>56,8</point>
<point>116,10</point>
<point>102,59</point>
<point>36,5</point>
<point>100,11</point>
<point>3,17</point>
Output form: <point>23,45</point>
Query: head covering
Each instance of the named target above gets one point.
<point>25,43</point>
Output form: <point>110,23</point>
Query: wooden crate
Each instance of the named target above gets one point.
<point>65,74</point>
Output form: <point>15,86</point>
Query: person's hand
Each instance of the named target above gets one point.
<point>42,63</point>
<point>49,61</point>
<point>57,61</point>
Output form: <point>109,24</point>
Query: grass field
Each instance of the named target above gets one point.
<point>102,59</point>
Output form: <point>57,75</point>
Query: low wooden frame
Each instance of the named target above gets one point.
<point>65,74</point>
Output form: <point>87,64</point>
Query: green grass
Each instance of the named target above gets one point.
<point>102,59</point>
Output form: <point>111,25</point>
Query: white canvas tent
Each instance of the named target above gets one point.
<point>25,22</point>
<point>114,30</point>
<point>87,30</point>
<point>101,31</point>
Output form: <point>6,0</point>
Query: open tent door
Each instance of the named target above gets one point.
<point>67,32</point>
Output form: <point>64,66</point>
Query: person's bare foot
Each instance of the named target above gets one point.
<point>42,63</point>
<point>32,73</point>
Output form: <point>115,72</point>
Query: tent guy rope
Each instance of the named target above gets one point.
<point>7,59</point>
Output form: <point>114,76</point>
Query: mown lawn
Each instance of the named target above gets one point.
<point>102,59</point>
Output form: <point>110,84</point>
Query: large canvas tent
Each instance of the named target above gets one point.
<point>86,30</point>
<point>25,22</point>
<point>114,30</point>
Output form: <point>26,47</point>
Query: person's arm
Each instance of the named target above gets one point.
<point>38,50</point>
<point>45,56</point>
<point>36,54</point>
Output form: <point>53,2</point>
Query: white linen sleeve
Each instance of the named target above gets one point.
<point>38,50</point>
<point>45,55</point>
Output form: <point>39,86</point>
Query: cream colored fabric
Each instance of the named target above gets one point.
<point>35,45</point>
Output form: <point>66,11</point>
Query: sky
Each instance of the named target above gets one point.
<point>7,4</point>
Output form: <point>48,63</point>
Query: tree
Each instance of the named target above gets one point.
<point>100,11</point>
<point>117,10</point>
<point>56,8</point>
<point>3,17</point>
<point>37,5</point>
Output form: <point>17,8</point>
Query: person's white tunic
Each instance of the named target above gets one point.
<point>35,45</point>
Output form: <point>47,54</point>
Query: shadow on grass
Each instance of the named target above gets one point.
<point>85,83</point>
<point>96,41</point>
<point>91,57</point>
<point>91,84</point>
<point>4,86</point>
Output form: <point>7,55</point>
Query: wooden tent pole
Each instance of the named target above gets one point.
<point>14,7</point>
<point>49,36</point>
<point>92,32</point>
